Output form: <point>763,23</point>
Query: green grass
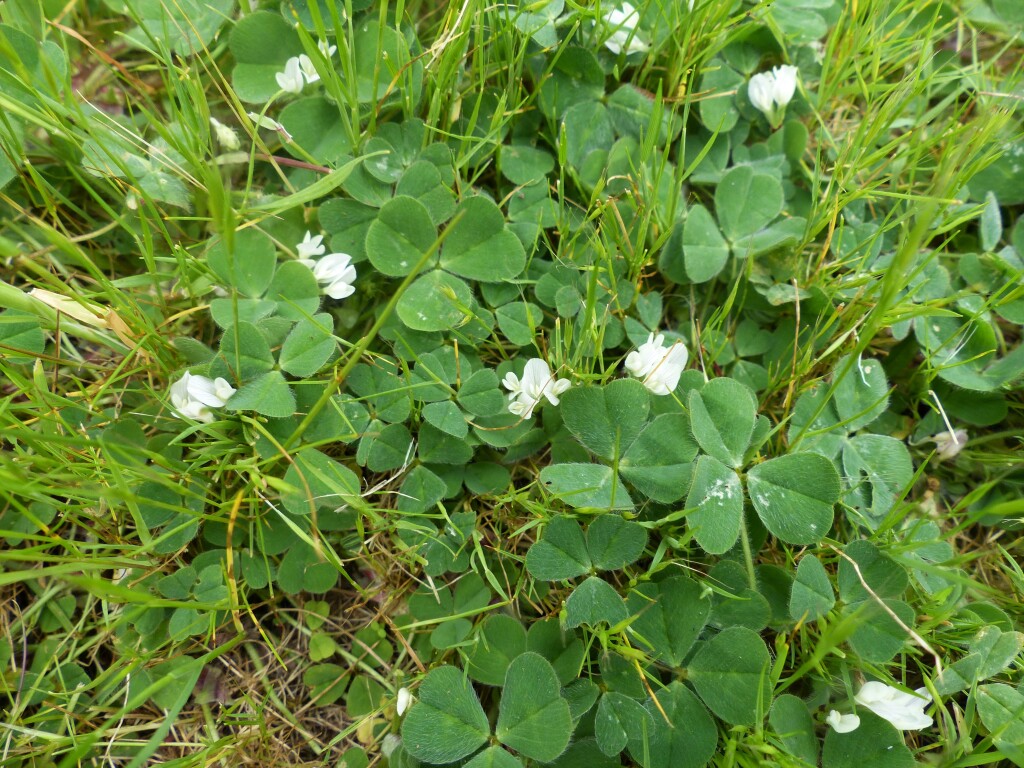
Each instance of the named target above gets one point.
<point>165,599</point>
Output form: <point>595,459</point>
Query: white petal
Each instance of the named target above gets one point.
<point>842,723</point>
<point>760,91</point>
<point>785,83</point>
<point>405,700</point>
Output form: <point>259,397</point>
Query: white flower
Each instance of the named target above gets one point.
<point>226,137</point>
<point>194,396</point>
<point>290,79</point>
<point>311,246</point>
<point>949,444</point>
<point>335,274</point>
<point>842,723</point>
<point>771,91</point>
<point>326,49</point>
<point>537,382</point>
<point>659,366</point>
<point>624,22</point>
<point>266,122</point>
<point>405,700</point>
<point>903,710</point>
<point>308,70</point>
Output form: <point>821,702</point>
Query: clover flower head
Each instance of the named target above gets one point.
<point>311,246</point>
<point>335,274</point>
<point>658,366</point>
<point>904,710</point>
<point>290,80</point>
<point>771,91</point>
<point>537,382</point>
<point>842,723</point>
<point>193,396</point>
<point>949,444</point>
<point>326,48</point>
<point>624,20</point>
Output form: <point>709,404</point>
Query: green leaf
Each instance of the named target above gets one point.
<point>318,482</point>
<point>992,651</point>
<point>183,26</point>
<point>421,490</point>
<point>795,495</point>
<point>747,201</point>
<point>422,181</point>
<point>873,743</point>
<point>878,637</point>
<point>447,723</point>
<point>382,63</point>
<point>614,543</point>
<point>533,718</point>
<point>479,246</point>
<point>885,577</point>
<point>245,351</point>
<point>587,129</point>
<point>389,449</point>
<point>326,683</point>
<point>308,346</point>
<point>793,724</point>
<point>879,469</point>
<point>295,290</point>
<point>248,265</point>
<point>670,615</point>
<point>704,249</point>
<point>691,740</point>
<point>592,602</point>
<point>731,674</point>
<point>314,125</point>
<point>718,107</point>
<point>991,223</point>
<point>523,164</point>
<point>862,395</point>
<point>722,416</point>
<point>501,639</point>
<point>618,720</point>
<point>576,77</point>
<point>269,394</point>
<point>447,417</point>
<point>716,498</point>
<point>400,235</point>
<point>435,302</point>
<point>812,596</point>
<point>586,485</point>
<point>1002,711</point>
<point>561,553</point>
<point>519,321</point>
<point>606,419</point>
<point>660,461</point>
<point>493,757</point>
<point>560,646</point>
<point>480,394</point>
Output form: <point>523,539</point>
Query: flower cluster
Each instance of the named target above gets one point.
<point>771,91</point>
<point>657,365</point>
<point>904,710</point>
<point>334,272</point>
<point>299,70</point>
<point>537,382</point>
<point>193,396</point>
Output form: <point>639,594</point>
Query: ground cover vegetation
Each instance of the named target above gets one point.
<point>511,384</point>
